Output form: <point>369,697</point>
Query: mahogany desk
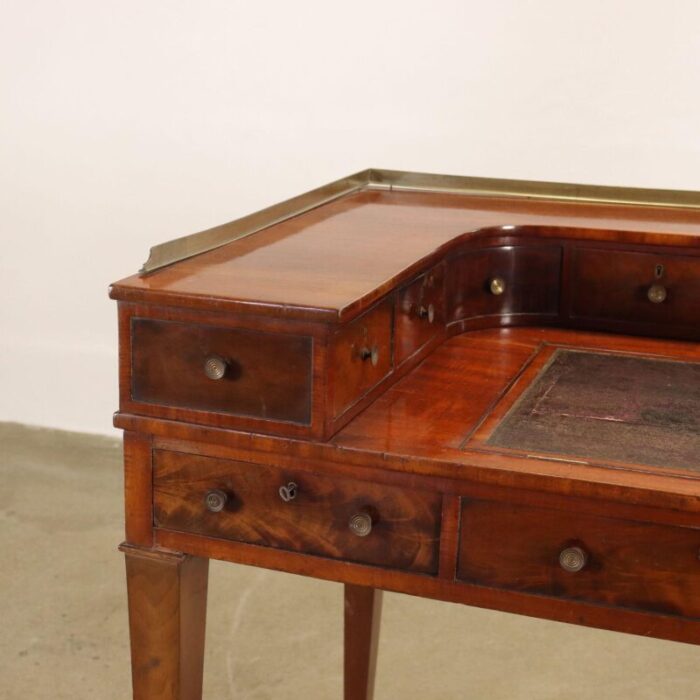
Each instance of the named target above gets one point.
<point>478,391</point>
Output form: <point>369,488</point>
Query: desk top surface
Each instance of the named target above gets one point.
<point>334,260</point>
<point>480,397</point>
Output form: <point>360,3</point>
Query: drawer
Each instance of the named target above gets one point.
<point>507,280</point>
<point>361,356</point>
<point>404,523</point>
<point>628,564</point>
<point>636,287</point>
<point>222,370</point>
<point>420,313</point>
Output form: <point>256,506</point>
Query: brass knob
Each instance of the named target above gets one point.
<point>427,312</point>
<point>215,367</point>
<point>573,559</point>
<point>657,294</point>
<point>288,492</point>
<point>371,354</point>
<point>215,500</point>
<point>497,285</point>
<point>361,524</point>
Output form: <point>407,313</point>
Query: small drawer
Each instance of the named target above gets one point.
<point>420,313</point>
<point>566,554</point>
<point>508,280</point>
<point>361,356</point>
<point>644,288</point>
<point>221,370</point>
<point>297,511</point>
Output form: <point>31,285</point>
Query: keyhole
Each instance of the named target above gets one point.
<point>659,271</point>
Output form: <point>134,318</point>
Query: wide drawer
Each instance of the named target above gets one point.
<point>630,564</point>
<point>222,370</point>
<point>642,288</point>
<point>322,515</point>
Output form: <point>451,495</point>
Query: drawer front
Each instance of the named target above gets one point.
<point>420,313</point>
<point>508,280</point>
<point>629,564</point>
<point>636,287</point>
<point>362,355</point>
<point>405,523</point>
<point>265,375</point>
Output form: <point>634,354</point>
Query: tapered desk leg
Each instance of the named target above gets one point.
<point>363,608</point>
<point>167,613</point>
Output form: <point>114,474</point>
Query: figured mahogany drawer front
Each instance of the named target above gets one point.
<point>645,288</point>
<point>420,312</point>
<point>565,554</point>
<point>362,355</point>
<point>222,370</point>
<point>506,280</point>
<point>293,510</point>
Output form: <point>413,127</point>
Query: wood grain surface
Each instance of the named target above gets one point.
<point>405,529</point>
<point>630,564</point>
<point>167,617</point>
<point>363,609</point>
<point>371,365</point>
<point>339,258</point>
<point>267,375</point>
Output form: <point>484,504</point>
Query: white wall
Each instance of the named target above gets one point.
<point>123,124</point>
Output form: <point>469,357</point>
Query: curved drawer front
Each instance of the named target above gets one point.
<point>299,511</point>
<point>508,280</point>
<point>643,288</point>
<point>221,370</point>
<point>623,563</point>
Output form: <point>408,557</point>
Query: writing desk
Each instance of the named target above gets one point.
<point>479,391</point>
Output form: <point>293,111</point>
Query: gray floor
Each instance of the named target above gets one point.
<point>63,630</point>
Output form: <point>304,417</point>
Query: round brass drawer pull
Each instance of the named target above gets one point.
<point>288,492</point>
<point>497,285</point>
<point>361,524</point>
<point>573,559</point>
<point>657,294</point>
<point>215,367</point>
<point>371,354</point>
<point>215,500</point>
<point>427,312</point>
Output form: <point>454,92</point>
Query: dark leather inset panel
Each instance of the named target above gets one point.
<point>609,407</point>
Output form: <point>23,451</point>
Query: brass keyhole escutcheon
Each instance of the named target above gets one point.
<point>288,492</point>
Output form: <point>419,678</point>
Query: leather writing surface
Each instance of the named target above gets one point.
<point>609,406</point>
